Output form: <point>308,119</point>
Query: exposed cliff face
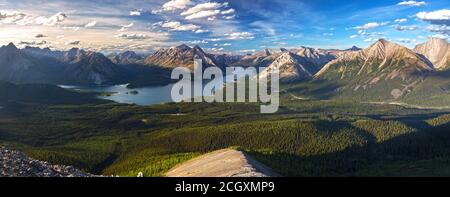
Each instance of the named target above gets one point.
<point>437,51</point>
<point>17,66</point>
<point>90,67</point>
<point>318,57</point>
<point>127,57</point>
<point>259,59</point>
<point>291,67</point>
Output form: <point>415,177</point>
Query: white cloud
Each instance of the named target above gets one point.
<point>90,24</point>
<point>215,39</point>
<point>369,40</point>
<point>362,32</point>
<point>73,42</point>
<point>126,27</point>
<point>34,42</point>
<point>229,11</point>
<point>131,36</point>
<point>203,7</point>
<point>353,36</point>
<point>11,17</point>
<point>438,17</point>
<point>224,44</point>
<point>197,42</point>
<point>229,17</point>
<point>412,3</point>
<point>51,21</point>
<point>73,28</point>
<point>371,25</point>
<point>401,20</point>
<point>247,51</point>
<point>441,36</point>
<point>21,18</point>
<point>177,26</point>
<point>176,4</point>
<point>407,40</point>
<point>199,31</point>
<point>135,13</point>
<point>327,34</point>
<point>207,10</point>
<point>440,29</point>
<point>203,14</point>
<point>217,49</point>
<point>406,28</point>
<point>240,36</point>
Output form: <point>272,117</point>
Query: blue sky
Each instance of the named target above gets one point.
<point>220,25</point>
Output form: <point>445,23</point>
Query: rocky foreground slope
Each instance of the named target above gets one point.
<point>17,164</point>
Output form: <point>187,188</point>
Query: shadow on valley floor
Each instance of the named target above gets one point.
<point>329,127</point>
<point>422,153</point>
<point>416,121</point>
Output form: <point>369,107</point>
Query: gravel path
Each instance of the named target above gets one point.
<point>17,164</point>
<point>222,163</point>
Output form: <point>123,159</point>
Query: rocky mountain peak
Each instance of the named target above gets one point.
<point>198,49</point>
<point>437,41</point>
<point>128,54</point>
<point>383,49</point>
<point>182,55</point>
<point>10,46</point>
<point>437,51</point>
<point>9,50</point>
<point>283,50</point>
<point>73,54</point>
<point>183,47</point>
<point>291,67</point>
<point>127,57</point>
<point>268,52</point>
<point>286,57</point>
<point>354,48</point>
<point>382,41</point>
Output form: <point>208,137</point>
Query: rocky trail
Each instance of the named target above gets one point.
<point>222,163</point>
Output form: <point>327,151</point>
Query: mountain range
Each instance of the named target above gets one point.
<point>182,55</point>
<point>381,65</point>
<point>74,67</point>
<point>386,72</point>
<point>80,67</point>
<point>127,57</point>
<point>383,71</point>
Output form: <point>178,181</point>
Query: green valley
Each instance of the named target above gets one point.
<point>305,138</point>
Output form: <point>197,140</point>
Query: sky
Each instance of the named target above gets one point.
<point>219,26</point>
